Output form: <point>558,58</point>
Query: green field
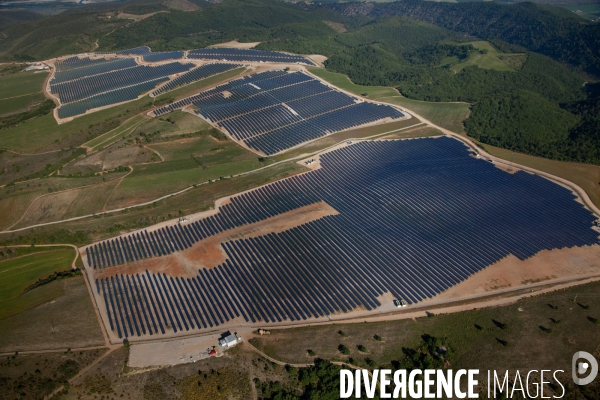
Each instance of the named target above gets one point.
<point>21,91</point>
<point>187,162</point>
<point>487,58</point>
<point>588,11</point>
<point>20,84</point>
<point>116,134</point>
<point>40,133</point>
<point>20,272</point>
<point>343,82</point>
<point>446,115</point>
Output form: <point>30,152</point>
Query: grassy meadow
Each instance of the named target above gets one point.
<point>20,272</point>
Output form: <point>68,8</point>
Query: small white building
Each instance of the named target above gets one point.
<point>229,340</point>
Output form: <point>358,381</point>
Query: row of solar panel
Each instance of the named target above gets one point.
<point>194,75</point>
<point>255,114</point>
<point>218,90</point>
<point>247,55</point>
<point>107,98</point>
<point>76,62</point>
<point>92,69</point>
<point>82,88</point>
<point>163,56</point>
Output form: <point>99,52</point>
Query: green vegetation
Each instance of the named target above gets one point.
<point>587,11</point>
<point>447,115</point>
<point>44,133</point>
<point>44,108</point>
<point>514,121</point>
<point>18,274</point>
<point>552,31</point>
<point>488,57</point>
<point>14,85</point>
<point>116,134</point>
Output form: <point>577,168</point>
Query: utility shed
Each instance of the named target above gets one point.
<point>229,340</point>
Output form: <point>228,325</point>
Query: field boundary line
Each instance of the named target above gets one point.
<point>116,186</point>
<point>46,351</point>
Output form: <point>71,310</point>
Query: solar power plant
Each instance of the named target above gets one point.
<point>194,75</point>
<point>107,83</point>
<point>249,55</point>
<point>274,113</point>
<point>415,218</point>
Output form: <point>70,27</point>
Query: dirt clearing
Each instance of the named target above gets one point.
<point>547,265</point>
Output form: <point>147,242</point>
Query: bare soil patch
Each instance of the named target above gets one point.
<point>234,44</point>
<point>209,253</point>
<point>336,26</point>
<point>547,265</point>
<point>136,17</point>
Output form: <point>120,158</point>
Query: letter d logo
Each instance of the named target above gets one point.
<point>584,367</point>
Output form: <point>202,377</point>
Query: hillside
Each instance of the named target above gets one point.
<point>552,31</point>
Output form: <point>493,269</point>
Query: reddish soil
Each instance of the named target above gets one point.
<point>209,253</point>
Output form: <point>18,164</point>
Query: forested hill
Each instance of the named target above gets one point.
<point>548,30</point>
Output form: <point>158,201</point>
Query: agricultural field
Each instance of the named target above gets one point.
<point>16,199</point>
<point>67,204</point>
<point>21,91</point>
<point>19,273</point>
<point>35,376</point>
<point>186,162</point>
<point>44,133</point>
<point>587,11</point>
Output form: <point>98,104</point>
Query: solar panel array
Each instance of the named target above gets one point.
<point>162,56</point>
<point>78,89</point>
<point>280,112</point>
<point>219,89</point>
<point>415,218</point>
<point>108,83</point>
<point>194,75</point>
<point>76,62</point>
<point>107,98</point>
<point>137,51</point>
<point>92,68</point>
<point>251,55</point>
